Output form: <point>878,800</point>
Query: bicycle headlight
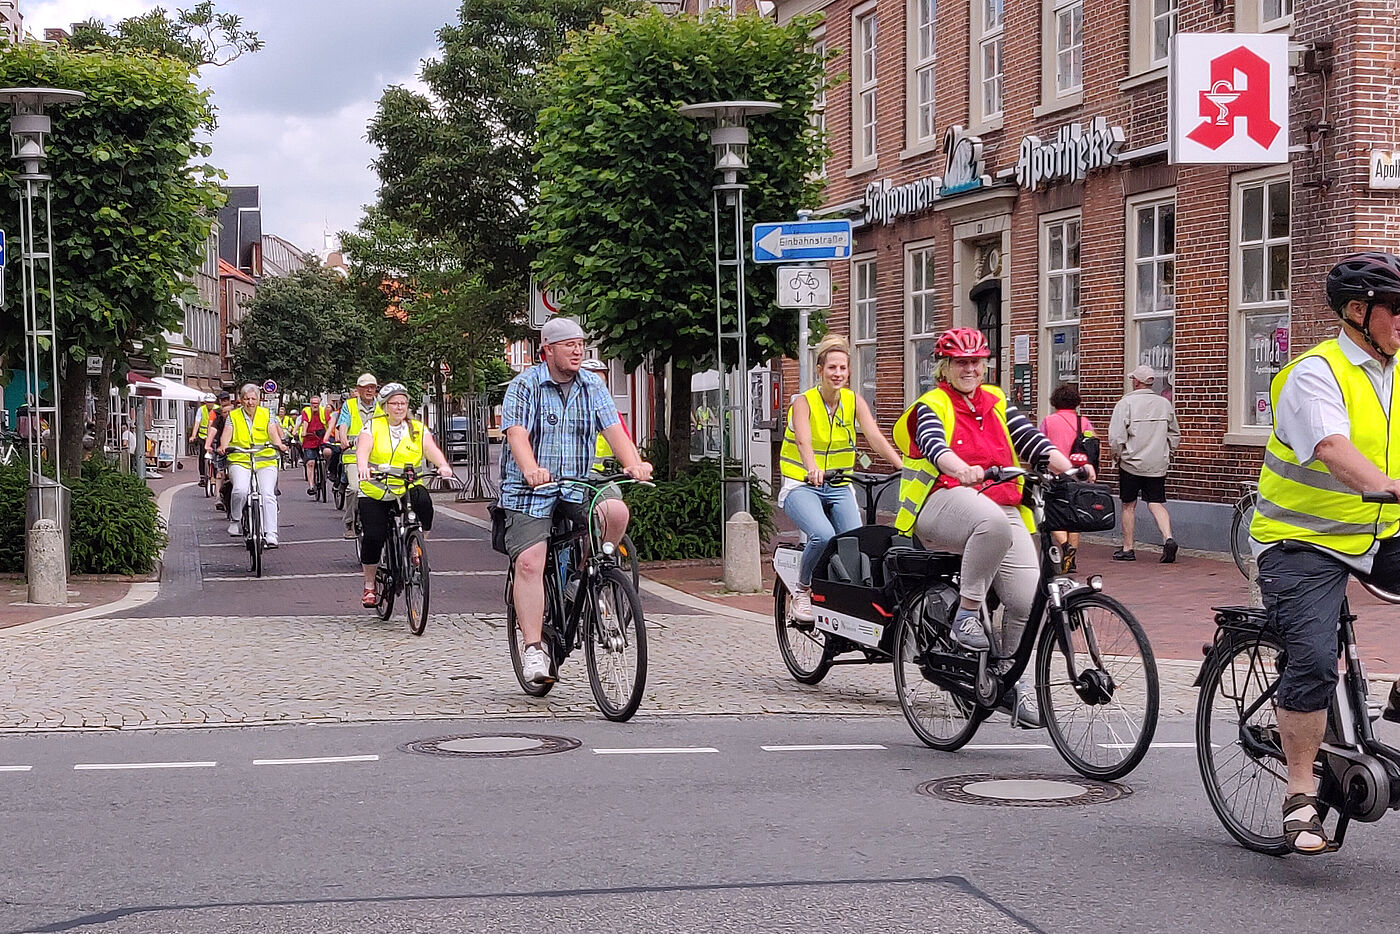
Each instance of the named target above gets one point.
<point>609,548</point>
<point>1095,582</point>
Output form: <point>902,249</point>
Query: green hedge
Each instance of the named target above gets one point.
<point>115,526</point>
<point>681,518</point>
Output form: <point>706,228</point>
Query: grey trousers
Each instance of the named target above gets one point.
<point>996,550</point>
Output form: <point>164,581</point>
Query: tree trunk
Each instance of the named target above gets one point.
<point>660,425</point>
<point>72,414</point>
<point>103,408</point>
<point>678,439</point>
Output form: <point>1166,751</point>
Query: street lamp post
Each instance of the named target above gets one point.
<point>46,550</point>
<point>730,138</point>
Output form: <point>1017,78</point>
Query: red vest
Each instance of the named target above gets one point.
<point>980,439</point>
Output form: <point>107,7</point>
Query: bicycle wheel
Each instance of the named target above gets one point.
<point>383,590</point>
<point>615,646</point>
<point>208,482</point>
<point>517,642</point>
<point>339,496</point>
<point>255,538</point>
<point>1245,786</point>
<point>1239,536</point>
<point>1102,722</point>
<point>627,558</point>
<point>319,472</point>
<point>939,717</point>
<point>415,585</point>
<point>801,644</point>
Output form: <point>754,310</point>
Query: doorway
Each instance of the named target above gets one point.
<point>986,298</point>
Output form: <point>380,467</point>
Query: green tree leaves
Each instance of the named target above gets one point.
<point>304,331</point>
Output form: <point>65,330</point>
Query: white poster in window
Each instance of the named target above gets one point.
<point>1228,96</point>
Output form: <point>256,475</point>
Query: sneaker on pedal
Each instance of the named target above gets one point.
<point>349,533</point>
<point>801,607</point>
<point>1020,704</point>
<point>969,632</point>
<point>534,665</point>
<point>235,530</point>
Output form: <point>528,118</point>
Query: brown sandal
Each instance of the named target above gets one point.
<point>1294,827</point>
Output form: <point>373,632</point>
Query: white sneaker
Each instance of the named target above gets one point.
<point>235,529</point>
<point>801,606</point>
<point>534,665</point>
<point>1021,704</point>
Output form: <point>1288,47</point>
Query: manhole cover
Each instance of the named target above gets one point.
<point>1023,791</point>
<point>491,745</point>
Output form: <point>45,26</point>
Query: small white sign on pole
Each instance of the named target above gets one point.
<point>1228,96</point>
<point>94,365</point>
<point>544,303</point>
<point>804,287</point>
<point>1385,170</point>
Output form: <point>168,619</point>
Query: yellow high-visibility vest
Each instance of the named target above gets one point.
<point>833,435</point>
<point>357,424</point>
<point>248,436</point>
<point>384,456</point>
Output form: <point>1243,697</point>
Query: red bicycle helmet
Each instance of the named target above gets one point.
<point>962,342</point>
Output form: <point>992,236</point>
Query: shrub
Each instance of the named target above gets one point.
<point>680,518</point>
<point>115,527</point>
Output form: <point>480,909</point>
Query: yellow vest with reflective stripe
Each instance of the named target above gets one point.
<point>1304,502</point>
<point>357,424</point>
<point>833,435</point>
<point>917,477</point>
<point>248,436</point>
<point>383,455</point>
<point>206,419</point>
<point>601,452</point>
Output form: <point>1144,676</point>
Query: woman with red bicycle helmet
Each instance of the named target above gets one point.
<point>949,437</point>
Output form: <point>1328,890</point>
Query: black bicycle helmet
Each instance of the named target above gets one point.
<point>1371,277</point>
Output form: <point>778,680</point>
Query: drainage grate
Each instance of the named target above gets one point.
<point>491,745</point>
<point>1024,791</point>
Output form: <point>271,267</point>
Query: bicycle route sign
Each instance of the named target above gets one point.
<point>804,287</point>
<point>801,240</point>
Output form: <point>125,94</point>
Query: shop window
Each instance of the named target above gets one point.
<point>1059,290</point>
<point>1260,295</point>
<point>923,328</point>
<point>1152,290</point>
<point>864,28</point>
<point>863,330</point>
<point>923,47</point>
<point>986,91</point>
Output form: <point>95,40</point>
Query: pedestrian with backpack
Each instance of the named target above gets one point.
<point>1074,436</point>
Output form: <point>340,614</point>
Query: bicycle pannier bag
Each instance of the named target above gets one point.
<point>498,527</point>
<point>1074,506</point>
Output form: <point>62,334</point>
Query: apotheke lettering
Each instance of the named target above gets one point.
<point>1070,155</point>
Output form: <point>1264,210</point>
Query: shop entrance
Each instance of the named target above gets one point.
<point>986,298</point>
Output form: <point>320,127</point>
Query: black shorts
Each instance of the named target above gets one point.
<point>1151,489</point>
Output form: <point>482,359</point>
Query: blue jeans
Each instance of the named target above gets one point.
<point>821,512</point>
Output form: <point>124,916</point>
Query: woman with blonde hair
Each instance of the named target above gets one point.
<point>820,439</point>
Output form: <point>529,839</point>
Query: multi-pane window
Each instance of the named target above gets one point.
<point>863,333</point>
<point>1153,293</point>
<point>819,104</point>
<point>989,57</point>
<point>1069,46</point>
<point>923,323</point>
<point>1060,288</point>
<point>865,86</point>
<point>1163,28</point>
<point>926,48</point>
<point>1262,243</point>
<point>1271,10</point>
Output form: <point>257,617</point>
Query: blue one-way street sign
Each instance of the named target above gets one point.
<point>799,240</point>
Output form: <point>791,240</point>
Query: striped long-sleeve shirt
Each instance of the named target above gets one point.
<point>1030,445</point>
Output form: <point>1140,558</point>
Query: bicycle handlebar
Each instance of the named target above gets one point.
<point>860,478</point>
<point>1380,497</point>
<point>1004,474</point>
<point>596,483</point>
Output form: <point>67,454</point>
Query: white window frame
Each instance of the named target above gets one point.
<point>1242,429</point>
<point>987,35</point>
<point>922,79</point>
<point>1144,15</point>
<point>1135,315</point>
<point>1065,272</point>
<point>920,309</point>
<point>819,102</point>
<point>865,127</point>
<point>1283,20</point>
<point>864,298</point>
<point>1074,9</point>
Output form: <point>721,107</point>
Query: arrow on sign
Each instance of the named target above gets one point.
<point>771,241</point>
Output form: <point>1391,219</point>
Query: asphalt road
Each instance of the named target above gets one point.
<point>231,836</point>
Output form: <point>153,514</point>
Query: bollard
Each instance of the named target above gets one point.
<point>48,578</point>
<point>742,570</point>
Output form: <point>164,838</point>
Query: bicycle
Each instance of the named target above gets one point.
<point>1239,527</point>
<point>251,519</point>
<point>403,566</point>
<point>589,603</point>
<point>1238,747</point>
<point>318,477</point>
<point>9,449</point>
<point>211,475</point>
<point>1093,659</point>
<point>340,484</point>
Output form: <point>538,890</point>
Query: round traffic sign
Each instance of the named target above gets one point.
<point>269,387</point>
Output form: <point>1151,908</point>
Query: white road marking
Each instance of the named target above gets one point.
<point>654,751</point>
<point>822,748</point>
<point>104,766</point>
<point>340,574</point>
<point>1154,745</point>
<point>15,768</point>
<point>319,541</point>
<point>1009,746</point>
<point>317,760</point>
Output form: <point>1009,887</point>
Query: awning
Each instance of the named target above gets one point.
<point>159,387</point>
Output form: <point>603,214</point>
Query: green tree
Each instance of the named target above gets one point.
<point>624,217</point>
<point>133,202</point>
<point>304,331</point>
<point>198,36</point>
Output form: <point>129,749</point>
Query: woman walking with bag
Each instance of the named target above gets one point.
<point>1074,436</point>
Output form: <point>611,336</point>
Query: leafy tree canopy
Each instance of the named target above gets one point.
<point>304,331</point>
<point>198,36</point>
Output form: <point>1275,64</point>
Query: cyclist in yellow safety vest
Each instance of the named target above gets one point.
<point>602,451</point>
<point>820,438</point>
<point>203,418</point>
<point>392,443</point>
<point>250,426</point>
<point>354,414</point>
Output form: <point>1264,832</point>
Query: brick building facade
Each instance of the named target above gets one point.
<point>1211,274</point>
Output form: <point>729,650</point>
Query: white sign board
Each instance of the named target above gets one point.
<point>544,303</point>
<point>94,365</point>
<point>1228,99</point>
<point>804,287</point>
<point>1385,169</point>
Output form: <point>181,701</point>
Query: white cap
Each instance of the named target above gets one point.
<point>559,328</point>
<point>1143,374</point>
<point>366,379</point>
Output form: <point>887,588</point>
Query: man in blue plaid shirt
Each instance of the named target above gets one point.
<point>552,416</point>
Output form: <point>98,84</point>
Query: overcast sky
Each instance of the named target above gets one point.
<point>292,117</point>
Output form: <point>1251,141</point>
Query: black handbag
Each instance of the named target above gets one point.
<point>498,527</point>
<point>1076,506</point>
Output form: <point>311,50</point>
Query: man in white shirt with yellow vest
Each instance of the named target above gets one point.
<point>1336,419</point>
<point>354,416</point>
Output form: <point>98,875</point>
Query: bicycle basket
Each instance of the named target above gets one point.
<point>1075,506</point>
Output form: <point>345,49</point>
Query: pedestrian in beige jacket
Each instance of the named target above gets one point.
<point>1142,436</point>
